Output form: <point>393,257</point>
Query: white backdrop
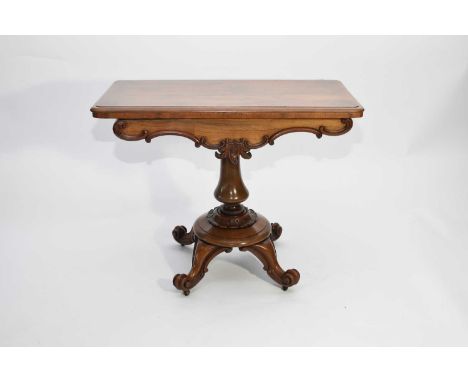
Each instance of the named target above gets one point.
<point>375,220</point>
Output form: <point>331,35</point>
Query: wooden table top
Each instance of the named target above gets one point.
<point>246,99</point>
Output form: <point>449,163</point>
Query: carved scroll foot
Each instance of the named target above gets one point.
<point>183,237</point>
<point>203,253</point>
<point>266,253</point>
<point>276,231</point>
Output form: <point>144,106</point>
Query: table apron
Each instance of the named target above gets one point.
<point>211,132</point>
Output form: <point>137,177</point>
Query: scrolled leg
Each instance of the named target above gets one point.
<point>266,253</point>
<point>203,253</point>
<point>276,231</point>
<point>183,237</point>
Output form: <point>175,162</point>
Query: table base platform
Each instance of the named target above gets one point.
<point>233,118</point>
<point>211,240</point>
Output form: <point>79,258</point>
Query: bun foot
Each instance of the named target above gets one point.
<point>285,288</point>
<point>266,253</point>
<point>183,237</point>
<point>276,231</point>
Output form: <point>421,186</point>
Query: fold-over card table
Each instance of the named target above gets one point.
<point>233,118</point>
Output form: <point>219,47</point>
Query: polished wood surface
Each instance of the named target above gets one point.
<point>233,118</point>
<point>203,253</point>
<point>216,130</point>
<point>227,99</point>
<point>232,237</point>
<point>265,251</point>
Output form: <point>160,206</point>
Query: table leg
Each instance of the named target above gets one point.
<point>231,225</point>
<point>266,253</point>
<point>203,253</point>
<point>183,237</point>
<point>276,231</point>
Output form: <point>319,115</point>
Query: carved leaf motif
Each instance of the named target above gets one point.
<point>231,149</point>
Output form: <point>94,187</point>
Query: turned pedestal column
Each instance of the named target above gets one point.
<point>231,225</point>
<point>231,117</point>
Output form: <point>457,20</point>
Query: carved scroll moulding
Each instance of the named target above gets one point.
<point>230,148</point>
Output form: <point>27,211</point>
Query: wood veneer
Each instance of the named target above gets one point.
<point>233,118</point>
<point>227,99</point>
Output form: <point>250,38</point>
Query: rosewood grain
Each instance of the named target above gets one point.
<point>266,253</point>
<point>275,99</point>
<point>211,133</point>
<point>232,225</point>
<point>232,118</point>
<point>202,255</point>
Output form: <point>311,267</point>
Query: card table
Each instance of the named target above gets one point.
<point>232,117</point>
